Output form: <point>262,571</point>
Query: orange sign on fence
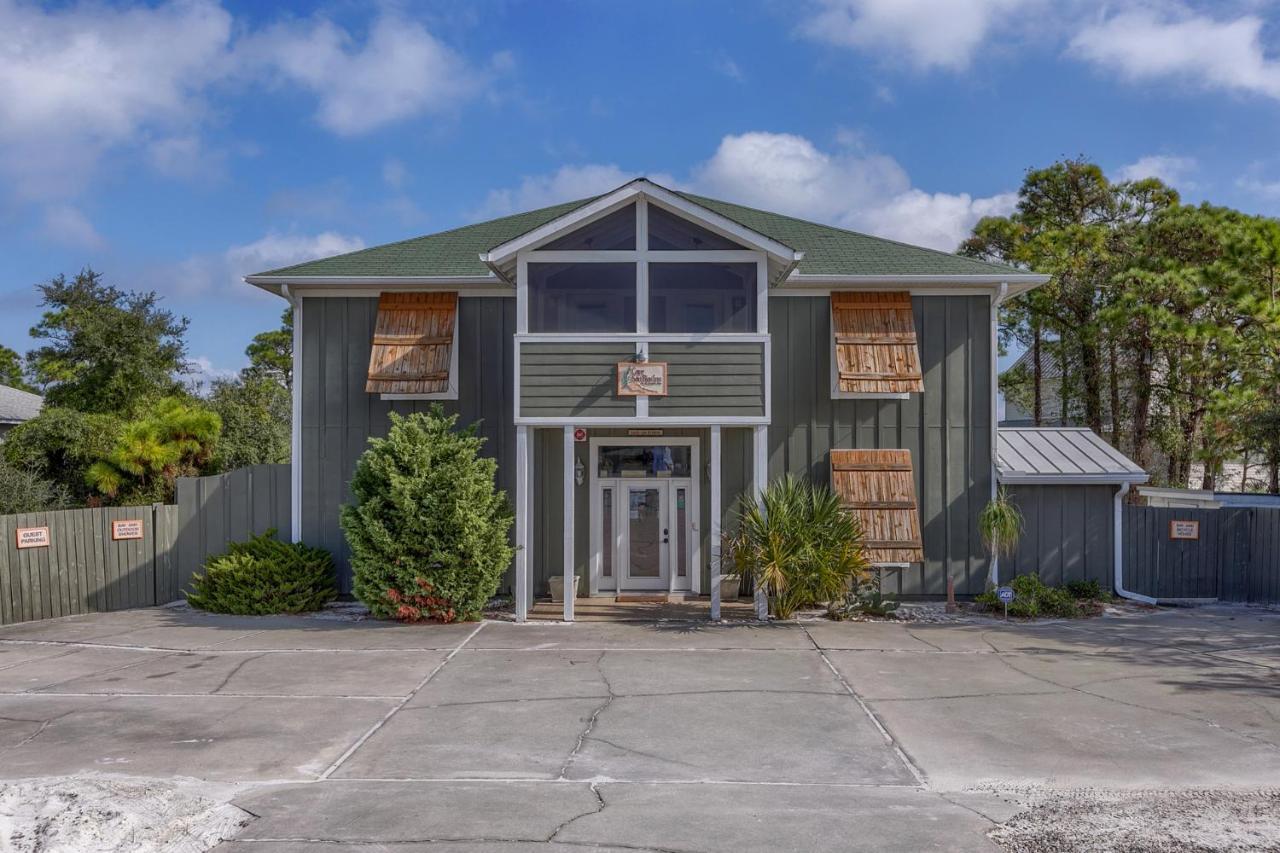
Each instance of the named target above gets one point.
<point>33,537</point>
<point>126,528</point>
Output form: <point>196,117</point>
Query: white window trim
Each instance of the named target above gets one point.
<point>836,393</point>
<point>450,393</point>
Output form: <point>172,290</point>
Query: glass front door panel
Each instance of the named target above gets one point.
<point>682,535</point>
<point>606,534</point>
<point>645,529</point>
<point>647,461</point>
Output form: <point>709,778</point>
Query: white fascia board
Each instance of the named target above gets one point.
<point>501,255</point>
<point>921,285</point>
<point>1108,479</point>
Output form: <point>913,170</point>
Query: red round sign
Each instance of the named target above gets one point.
<point>579,434</point>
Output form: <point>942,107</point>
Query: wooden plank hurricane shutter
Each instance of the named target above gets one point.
<point>878,488</point>
<point>875,339</point>
<point>412,343</point>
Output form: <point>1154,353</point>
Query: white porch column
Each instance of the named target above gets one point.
<point>715,524</point>
<point>570,589</point>
<point>522,523</point>
<point>759,479</point>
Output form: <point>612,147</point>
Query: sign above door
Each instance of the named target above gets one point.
<point>642,379</point>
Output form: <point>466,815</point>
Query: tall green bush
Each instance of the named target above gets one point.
<point>264,576</point>
<point>799,544</point>
<point>428,529</point>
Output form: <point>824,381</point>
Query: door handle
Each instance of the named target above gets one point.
<point>665,536</point>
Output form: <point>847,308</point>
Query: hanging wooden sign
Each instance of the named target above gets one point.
<point>642,379</point>
<point>33,537</point>
<point>126,528</point>
<point>1184,529</point>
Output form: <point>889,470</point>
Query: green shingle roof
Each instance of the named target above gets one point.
<point>827,250</point>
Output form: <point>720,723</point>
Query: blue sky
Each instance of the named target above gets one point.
<point>178,146</point>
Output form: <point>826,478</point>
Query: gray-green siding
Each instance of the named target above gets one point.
<point>710,380</point>
<point>339,416</point>
<point>1067,534</point>
<point>573,380</point>
<point>947,427</point>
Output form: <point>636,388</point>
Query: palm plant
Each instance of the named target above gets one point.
<point>798,544</point>
<point>1000,525</point>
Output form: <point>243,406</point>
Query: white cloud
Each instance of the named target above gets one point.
<point>851,188</point>
<point>281,250</point>
<point>1145,46</point>
<point>399,72</point>
<point>202,373</point>
<point>66,225</point>
<point>77,80</point>
<point>926,33</point>
<point>725,66</point>
<point>567,183</point>
<point>1167,167</point>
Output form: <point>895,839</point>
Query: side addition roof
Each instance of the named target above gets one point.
<point>18,406</point>
<point>1063,455</point>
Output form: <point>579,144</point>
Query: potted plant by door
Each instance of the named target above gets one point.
<point>556,582</point>
<point>731,581</point>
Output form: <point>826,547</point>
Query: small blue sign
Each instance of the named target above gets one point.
<point>1005,594</point>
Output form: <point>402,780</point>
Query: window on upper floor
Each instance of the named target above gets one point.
<point>615,232</point>
<point>702,298</point>
<point>569,297</point>
<point>671,233</point>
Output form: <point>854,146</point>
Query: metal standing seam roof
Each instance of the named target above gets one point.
<point>827,250</point>
<point>1061,455</point>
<point>18,406</point>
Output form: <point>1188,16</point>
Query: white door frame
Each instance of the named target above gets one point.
<point>695,497</point>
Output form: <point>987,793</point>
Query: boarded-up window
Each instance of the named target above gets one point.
<point>413,343</point>
<point>878,488</point>
<point>875,343</point>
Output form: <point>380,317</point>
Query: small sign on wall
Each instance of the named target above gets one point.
<point>33,537</point>
<point>1184,529</point>
<point>642,379</point>
<point>126,528</point>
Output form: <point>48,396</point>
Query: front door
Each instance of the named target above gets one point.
<point>646,536</point>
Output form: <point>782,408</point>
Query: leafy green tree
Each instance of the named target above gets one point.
<point>12,372</point>
<point>428,529</point>
<point>105,350</point>
<point>256,422</point>
<point>271,353</point>
<point>59,445</point>
<point>176,439</point>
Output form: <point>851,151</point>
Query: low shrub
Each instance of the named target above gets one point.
<point>1032,598</point>
<point>428,529</point>
<point>1086,590</point>
<point>800,545</point>
<point>264,576</point>
<point>866,599</point>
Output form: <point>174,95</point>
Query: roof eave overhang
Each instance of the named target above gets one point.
<point>1108,479</point>
<point>273,283</point>
<point>500,256</point>
<point>1016,282</point>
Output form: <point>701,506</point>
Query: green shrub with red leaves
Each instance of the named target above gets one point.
<point>428,529</point>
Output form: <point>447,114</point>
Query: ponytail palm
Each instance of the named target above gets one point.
<point>798,544</point>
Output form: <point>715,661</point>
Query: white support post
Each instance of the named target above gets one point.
<point>715,523</point>
<point>295,441</point>
<point>759,479</point>
<point>522,523</point>
<point>570,588</point>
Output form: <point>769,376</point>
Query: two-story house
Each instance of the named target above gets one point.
<point>641,359</point>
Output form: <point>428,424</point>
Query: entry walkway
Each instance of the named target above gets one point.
<point>640,608</point>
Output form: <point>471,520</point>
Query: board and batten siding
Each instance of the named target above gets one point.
<point>1067,533</point>
<point>563,380</point>
<point>709,379</point>
<point>947,427</point>
<point>339,417</point>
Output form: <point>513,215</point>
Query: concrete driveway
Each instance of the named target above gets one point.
<point>810,737</point>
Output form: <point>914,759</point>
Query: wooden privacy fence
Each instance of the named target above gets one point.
<point>231,507</point>
<point>85,567</point>
<point>77,562</point>
<point>1234,555</point>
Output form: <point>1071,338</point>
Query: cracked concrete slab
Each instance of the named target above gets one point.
<point>905,676</point>
<point>309,633</point>
<point>210,737</point>
<point>398,812</point>
<point>72,663</point>
<point>337,673</point>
